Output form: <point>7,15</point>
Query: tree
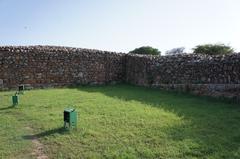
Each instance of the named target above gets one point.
<point>175,51</point>
<point>146,50</point>
<point>213,49</point>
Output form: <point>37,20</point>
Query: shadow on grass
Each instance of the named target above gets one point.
<point>6,108</point>
<point>213,124</point>
<point>46,133</point>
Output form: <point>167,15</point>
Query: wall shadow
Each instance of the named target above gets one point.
<point>162,99</point>
<point>213,124</point>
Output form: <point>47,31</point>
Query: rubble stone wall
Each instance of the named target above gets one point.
<point>183,69</point>
<point>43,66</point>
<point>200,74</point>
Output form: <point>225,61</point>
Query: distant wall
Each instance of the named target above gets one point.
<point>58,66</point>
<point>44,66</point>
<point>186,69</point>
<point>204,75</point>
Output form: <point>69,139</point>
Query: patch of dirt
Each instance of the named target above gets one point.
<point>38,150</point>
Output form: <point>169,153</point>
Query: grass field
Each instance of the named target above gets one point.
<point>119,121</point>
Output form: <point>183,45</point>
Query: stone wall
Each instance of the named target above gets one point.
<point>183,69</point>
<point>43,66</point>
<point>199,74</point>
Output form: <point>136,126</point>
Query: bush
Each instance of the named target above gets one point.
<point>146,50</point>
<point>213,49</point>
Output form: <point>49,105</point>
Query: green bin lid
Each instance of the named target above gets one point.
<point>69,110</point>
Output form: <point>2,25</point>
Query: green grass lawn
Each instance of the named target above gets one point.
<point>119,121</point>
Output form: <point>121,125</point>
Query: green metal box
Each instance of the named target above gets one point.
<point>70,118</point>
<point>15,100</point>
<point>21,89</point>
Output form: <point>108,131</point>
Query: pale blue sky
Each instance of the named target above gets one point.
<point>120,25</point>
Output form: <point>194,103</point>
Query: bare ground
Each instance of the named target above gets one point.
<point>38,147</point>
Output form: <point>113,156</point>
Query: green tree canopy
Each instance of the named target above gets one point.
<point>213,49</point>
<point>146,50</point>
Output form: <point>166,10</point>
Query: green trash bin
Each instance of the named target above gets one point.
<point>70,118</point>
<point>15,100</point>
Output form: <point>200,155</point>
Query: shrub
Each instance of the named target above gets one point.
<point>213,49</point>
<point>146,50</point>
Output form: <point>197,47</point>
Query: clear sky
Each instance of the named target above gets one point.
<point>120,25</point>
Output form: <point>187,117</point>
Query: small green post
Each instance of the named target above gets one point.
<point>15,100</point>
<point>70,118</point>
